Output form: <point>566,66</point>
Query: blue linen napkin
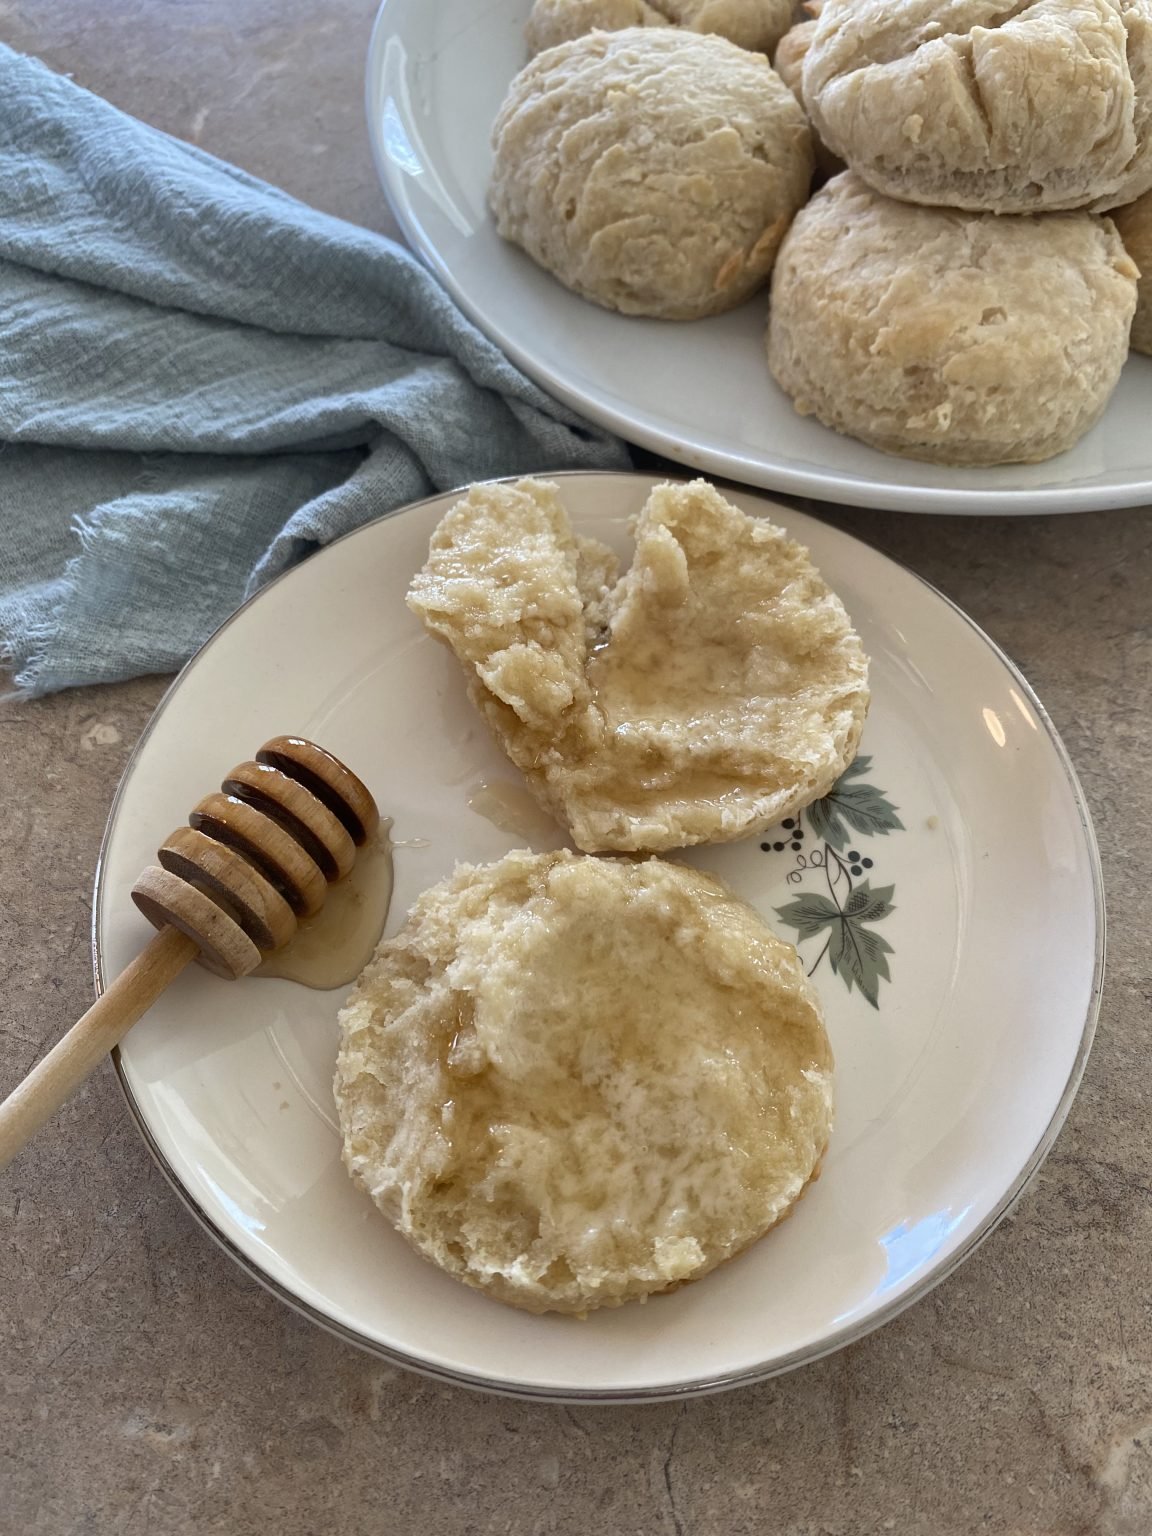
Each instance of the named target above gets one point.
<point>203,380</point>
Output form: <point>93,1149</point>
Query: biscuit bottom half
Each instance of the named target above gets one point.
<point>572,1082</point>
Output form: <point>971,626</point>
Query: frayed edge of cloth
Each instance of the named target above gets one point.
<point>29,662</point>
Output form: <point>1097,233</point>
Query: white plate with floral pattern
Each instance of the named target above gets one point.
<point>945,897</point>
<point>699,393</point>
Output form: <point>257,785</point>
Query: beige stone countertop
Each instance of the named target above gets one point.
<point>148,1386</point>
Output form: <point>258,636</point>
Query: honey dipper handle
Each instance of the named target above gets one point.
<point>75,1057</point>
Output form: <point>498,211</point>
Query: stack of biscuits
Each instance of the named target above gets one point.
<point>959,293</point>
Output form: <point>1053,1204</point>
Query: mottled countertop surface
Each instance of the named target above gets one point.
<point>148,1386</point>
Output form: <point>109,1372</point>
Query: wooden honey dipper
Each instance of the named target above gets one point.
<point>229,887</point>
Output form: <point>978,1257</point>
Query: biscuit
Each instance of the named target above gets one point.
<point>714,689</point>
<point>789,65</point>
<point>954,337</point>
<point>1135,226</point>
<point>790,55</point>
<point>653,171</point>
<point>552,22</point>
<point>571,1082</point>
<point>754,24</point>
<point>1045,104</point>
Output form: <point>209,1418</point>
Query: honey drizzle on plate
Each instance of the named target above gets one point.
<point>332,948</point>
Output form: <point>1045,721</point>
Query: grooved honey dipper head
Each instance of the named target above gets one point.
<point>259,855</point>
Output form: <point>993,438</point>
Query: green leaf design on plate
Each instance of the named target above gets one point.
<point>867,905</point>
<point>843,918</point>
<point>859,956</point>
<point>848,808</point>
<point>809,914</point>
